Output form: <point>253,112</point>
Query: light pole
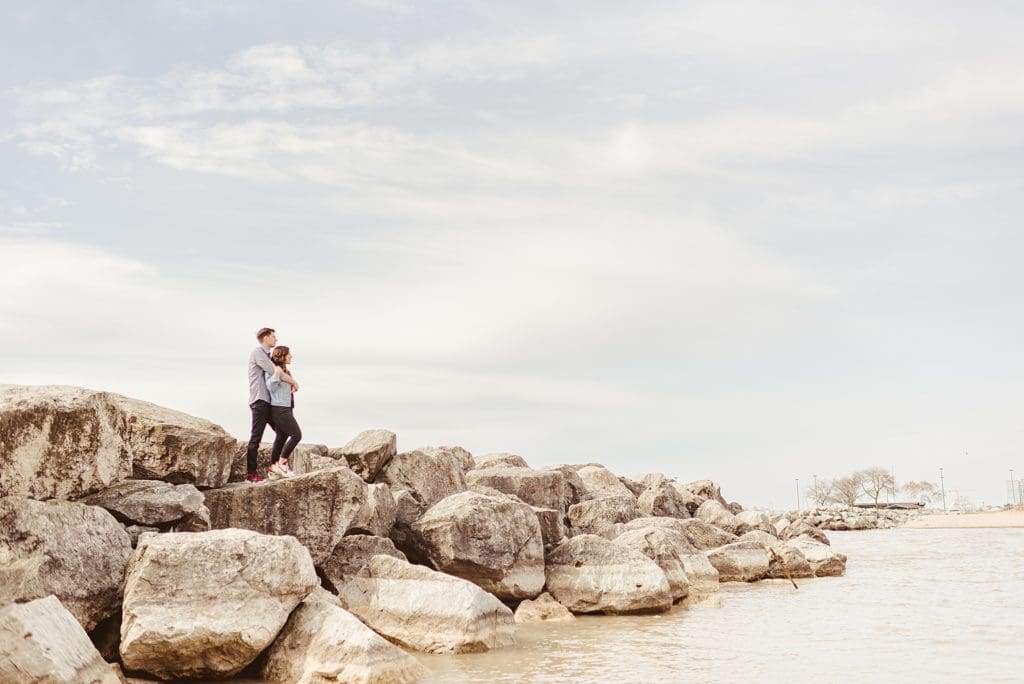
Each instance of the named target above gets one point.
<point>817,494</point>
<point>797,494</point>
<point>943,483</point>
<point>1013,495</point>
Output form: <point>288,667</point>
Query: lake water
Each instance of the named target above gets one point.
<point>915,605</point>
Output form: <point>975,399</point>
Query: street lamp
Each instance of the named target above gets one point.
<point>797,494</point>
<point>943,482</point>
<point>1013,495</point>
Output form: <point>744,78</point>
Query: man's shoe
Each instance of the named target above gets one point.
<point>253,478</point>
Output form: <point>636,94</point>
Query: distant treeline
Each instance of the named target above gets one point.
<point>870,484</point>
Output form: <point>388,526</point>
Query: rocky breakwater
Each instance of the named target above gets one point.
<point>125,546</point>
<point>845,518</point>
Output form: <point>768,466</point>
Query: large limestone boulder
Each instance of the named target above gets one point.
<point>149,502</point>
<point>544,608</point>
<point>500,460</point>
<point>322,642</point>
<point>660,498</point>
<point>701,574</point>
<point>305,459</point>
<point>426,610</point>
<point>713,512</point>
<point>575,491</point>
<point>541,488</point>
<point>601,482</point>
<point>368,452</point>
<point>704,535</point>
<point>60,442</point>
<point>803,529</point>
<point>706,489</point>
<point>377,514</point>
<point>786,561</point>
<point>204,605</point>
<point>603,516</point>
<point>352,554</point>
<point>659,545</point>
<point>675,524</point>
<point>316,508</point>
<point>589,574</point>
<point>76,552</point>
<point>822,558</point>
<point>552,529</point>
<point>636,488</point>
<point>419,479</point>
<point>494,542</point>
<point>757,520</point>
<point>464,458</point>
<point>174,446</point>
<point>740,561</point>
<point>40,641</point>
<point>690,500</point>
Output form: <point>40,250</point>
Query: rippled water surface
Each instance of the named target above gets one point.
<point>924,605</point>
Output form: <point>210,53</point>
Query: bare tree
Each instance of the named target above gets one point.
<point>921,490</point>
<point>820,491</point>
<point>847,489</point>
<point>877,481</point>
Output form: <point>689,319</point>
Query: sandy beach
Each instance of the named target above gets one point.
<point>967,520</point>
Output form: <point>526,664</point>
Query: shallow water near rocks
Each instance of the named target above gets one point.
<point>915,604</point>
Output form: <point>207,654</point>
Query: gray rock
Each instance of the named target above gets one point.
<point>495,543</point>
<point>323,642</point>
<point>316,508</point>
<point>76,552</point>
<point>136,531</point>
<point>174,446</point>
<point>500,460</point>
<point>148,502</point>
<point>541,488</point>
<point>352,554</point>
<point>378,512</point>
<point>552,529</point>
<point>711,511</point>
<point>602,516</point>
<point>601,482</point>
<point>660,498</point>
<point>589,574</point>
<point>60,442</point>
<point>740,561</point>
<point>757,520</point>
<point>544,608</point>
<point>40,641</point>
<point>204,605</point>
<point>704,535</point>
<point>368,452</point>
<point>658,545</point>
<point>426,610</point>
<point>575,491</point>
<point>822,558</point>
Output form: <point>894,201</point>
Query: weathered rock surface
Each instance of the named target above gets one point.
<point>803,529</point>
<point>740,561</point>
<point>704,535</point>
<point>40,641</point>
<point>352,554</point>
<point>589,574</point>
<point>429,475</point>
<point>660,498</point>
<point>823,560</point>
<point>305,459</point>
<point>603,516</point>
<point>675,524</point>
<point>204,605</point>
<point>575,491</point>
<point>552,529</point>
<point>322,642</point>
<point>426,610</point>
<point>316,508</point>
<point>757,520</point>
<point>544,608</point>
<point>541,488</point>
<point>659,545</point>
<point>60,442</point>
<point>705,489</point>
<point>500,460</point>
<point>702,575</point>
<point>149,502</point>
<point>464,458</point>
<point>633,486</point>
<point>377,514</point>
<point>76,552</point>
<point>601,482</point>
<point>788,562</point>
<point>368,452</point>
<point>174,446</point>
<point>494,542</point>
<point>713,512</point>
<point>691,500</point>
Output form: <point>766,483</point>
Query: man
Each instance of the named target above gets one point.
<point>259,395</point>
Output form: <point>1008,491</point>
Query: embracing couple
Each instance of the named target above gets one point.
<point>272,390</point>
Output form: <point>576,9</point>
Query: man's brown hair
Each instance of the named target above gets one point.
<point>263,332</point>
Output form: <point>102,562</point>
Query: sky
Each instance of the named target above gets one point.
<point>752,242</point>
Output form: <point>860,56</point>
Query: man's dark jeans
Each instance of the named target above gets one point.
<point>260,419</point>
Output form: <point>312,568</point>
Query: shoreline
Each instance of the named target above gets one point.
<point>997,519</point>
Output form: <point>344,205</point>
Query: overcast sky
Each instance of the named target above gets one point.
<point>743,241</point>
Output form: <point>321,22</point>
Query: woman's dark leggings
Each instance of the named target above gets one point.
<point>288,433</point>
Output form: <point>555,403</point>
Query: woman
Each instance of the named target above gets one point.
<point>282,403</point>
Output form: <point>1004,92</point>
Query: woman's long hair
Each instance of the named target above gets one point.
<point>279,355</point>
